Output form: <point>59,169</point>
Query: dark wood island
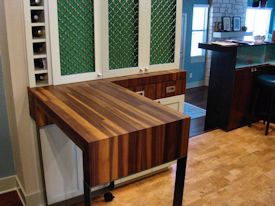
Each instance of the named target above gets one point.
<point>233,74</point>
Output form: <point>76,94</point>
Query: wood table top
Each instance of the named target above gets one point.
<point>119,131</point>
<point>96,110</point>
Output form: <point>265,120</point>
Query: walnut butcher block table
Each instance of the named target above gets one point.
<point>119,131</point>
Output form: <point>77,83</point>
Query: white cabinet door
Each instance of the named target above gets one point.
<point>75,53</point>
<point>116,38</point>
<point>62,162</point>
<point>175,102</point>
<point>140,36</point>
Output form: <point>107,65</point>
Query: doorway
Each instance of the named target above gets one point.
<point>193,60</point>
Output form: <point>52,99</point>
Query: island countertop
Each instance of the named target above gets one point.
<point>231,48</point>
<point>122,132</point>
<point>98,110</point>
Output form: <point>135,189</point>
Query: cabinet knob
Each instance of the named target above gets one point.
<point>146,69</point>
<point>99,75</point>
<point>141,70</point>
<point>253,69</point>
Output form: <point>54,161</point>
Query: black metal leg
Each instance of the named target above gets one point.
<point>267,128</point>
<point>179,185</point>
<point>86,176</point>
<point>87,194</point>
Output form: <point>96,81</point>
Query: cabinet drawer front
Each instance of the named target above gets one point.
<point>160,90</point>
<point>170,89</point>
<point>155,86</point>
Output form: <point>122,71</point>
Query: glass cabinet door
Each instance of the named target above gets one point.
<point>72,41</point>
<point>140,36</point>
<point>123,33</point>
<point>113,37</point>
<point>120,37</point>
<point>163,31</point>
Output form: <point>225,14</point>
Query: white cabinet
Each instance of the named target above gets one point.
<point>140,36</point>
<point>62,163</point>
<point>62,160</point>
<point>175,102</point>
<point>108,38</point>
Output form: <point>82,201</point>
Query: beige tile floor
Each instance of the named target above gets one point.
<point>224,169</point>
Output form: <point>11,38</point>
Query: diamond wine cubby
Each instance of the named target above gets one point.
<point>39,48</point>
<point>37,16</point>
<point>41,79</point>
<point>38,32</point>
<point>36,2</point>
<point>37,42</point>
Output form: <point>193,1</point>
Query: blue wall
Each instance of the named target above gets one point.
<point>6,159</point>
<point>197,69</point>
<point>271,4</point>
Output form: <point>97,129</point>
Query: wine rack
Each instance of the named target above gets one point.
<point>37,43</point>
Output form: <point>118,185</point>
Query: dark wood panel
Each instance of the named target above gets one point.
<point>242,98</point>
<point>154,84</point>
<point>245,84</point>
<point>229,93</point>
<point>220,89</point>
<point>149,78</point>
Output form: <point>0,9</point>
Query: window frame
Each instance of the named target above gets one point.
<point>200,58</point>
<point>255,10</point>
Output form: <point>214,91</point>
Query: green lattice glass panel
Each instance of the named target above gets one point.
<point>123,33</point>
<point>76,36</point>
<point>163,31</point>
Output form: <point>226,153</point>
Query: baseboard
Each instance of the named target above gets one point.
<point>8,184</point>
<point>36,198</point>
<point>195,84</point>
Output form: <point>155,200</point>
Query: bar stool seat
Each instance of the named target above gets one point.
<point>267,80</point>
<point>267,84</point>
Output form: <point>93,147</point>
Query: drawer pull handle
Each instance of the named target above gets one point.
<point>140,93</point>
<point>170,89</point>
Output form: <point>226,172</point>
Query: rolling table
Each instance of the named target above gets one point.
<point>119,132</point>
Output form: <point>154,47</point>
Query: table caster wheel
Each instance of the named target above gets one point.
<point>108,197</point>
